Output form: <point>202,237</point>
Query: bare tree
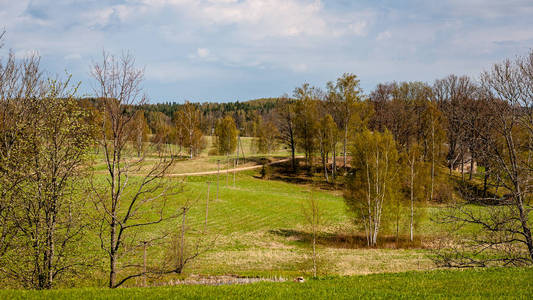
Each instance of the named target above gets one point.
<point>504,232</point>
<point>124,197</point>
<point>312,212</point>
<point>451,94</point>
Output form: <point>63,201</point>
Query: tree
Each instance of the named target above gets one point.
<point>434,125</point>
<point>313,215</point>
<point>286,125</point>
<point>372,186</point>
<point>139,132</point>
<point>327,136</point>
<point>43,142</point>
<point>418,184</point>
<point>121,198</point>
<point>503,234</point>
<point>162,129</point>
<point>306,121</point>
<point>46,217</point>
<point>226,136</point>
<point>187,121</point>
<point>266,134</point>
<point>347,91</point>
<point>451,94</point>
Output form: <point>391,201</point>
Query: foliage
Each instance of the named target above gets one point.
<point>187,121</point>
<point>226,136</point>
<point>306,121</point>
<point>44,158</point>
<point>266,134</point>
<point>373,187</point>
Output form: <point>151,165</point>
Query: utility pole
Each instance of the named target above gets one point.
<point>242,151</point>
<point>182,246</point>
<point>238,145</point>
<point>206,207</point>
<point>227,171</point>
<point>144,263</point>
<point>218,175</point>
<point>236,162</point>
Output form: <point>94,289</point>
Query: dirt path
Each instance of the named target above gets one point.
<point>227,170</point>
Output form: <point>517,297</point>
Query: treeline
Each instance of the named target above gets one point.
<point>244,113</point>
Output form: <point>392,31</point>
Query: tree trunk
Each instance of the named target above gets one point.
<point>333,163</point>
<point>344,143</point>
<point>524,218</point>
<point>411,225</point>
<point>432,158</point>
<point>462,168</point>
<point>486,177</point>
<point>471,166</point>
<point>324,162</point>
<point>293,157</point>
<point>51,251</point>
<point>144,264</point>
<point>112,269</point>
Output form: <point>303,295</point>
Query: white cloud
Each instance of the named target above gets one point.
<point>202,52</point>
<point>385,35</point>
<point>301,67</point>
<point>307,39</point>
<point>358,28</point>
<point>492,8</point>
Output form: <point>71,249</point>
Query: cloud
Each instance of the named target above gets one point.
<point>202,52</point>
<point>491,9</point>
<point>385,35</point>
<point>270,43</point>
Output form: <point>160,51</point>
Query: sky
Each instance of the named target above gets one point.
<point>235,50</point>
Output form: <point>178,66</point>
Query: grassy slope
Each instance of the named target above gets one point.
<point>258,225</point>
<point>513,283</point>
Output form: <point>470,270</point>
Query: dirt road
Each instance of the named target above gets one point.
<point>227,170</point>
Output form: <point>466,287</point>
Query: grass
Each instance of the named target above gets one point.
<point>515,283</point>
<point>260,230</point>
<point>203,162</point>
<point>250,222</point>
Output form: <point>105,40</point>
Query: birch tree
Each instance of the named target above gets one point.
<point>348,96</point>
<point>187,121</point>
<point>373,184</point>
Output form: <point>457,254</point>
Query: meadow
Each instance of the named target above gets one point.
<point>256,228</point>
<point>503,283</point>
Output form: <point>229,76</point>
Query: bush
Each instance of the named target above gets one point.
<point>266,171</point>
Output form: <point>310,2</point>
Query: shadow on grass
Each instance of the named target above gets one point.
<point>476,194</point>
<point>350,241</point>
<point>303,175</point>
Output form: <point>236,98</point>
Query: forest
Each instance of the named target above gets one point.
<point>113,190</point>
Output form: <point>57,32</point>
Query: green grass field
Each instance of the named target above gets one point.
<point>260,230</point>
<point>510,283</point>
<point>257,228</point>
